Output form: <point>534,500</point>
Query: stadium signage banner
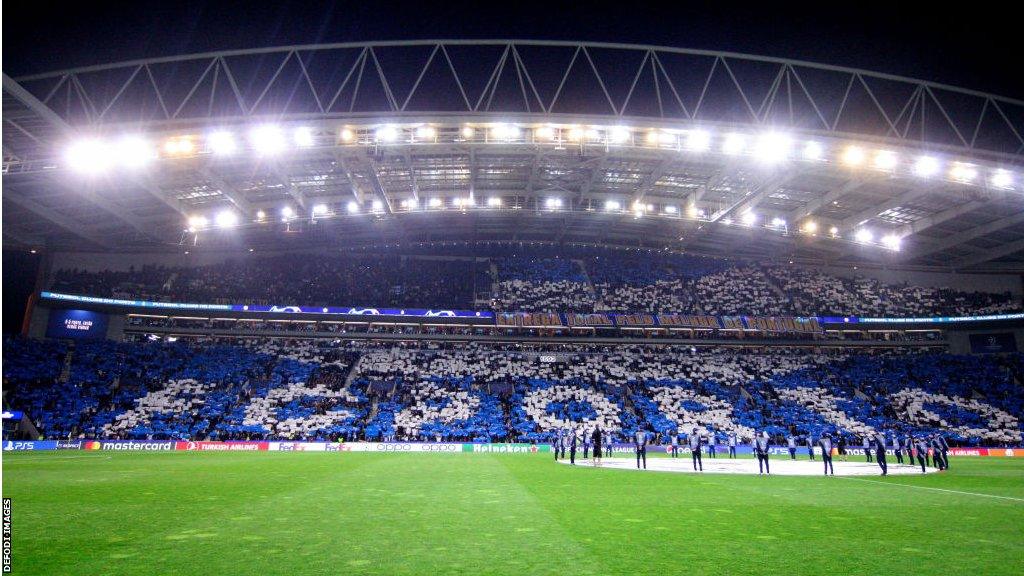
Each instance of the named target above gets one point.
<point>230,446</point>
<point>132,303</point>
<point>363,311</point>
<point>130,445</point>
<point>23,445</point>
<point>507,448</point>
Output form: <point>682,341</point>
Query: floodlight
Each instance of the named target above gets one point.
<point>221,143</point>
<point>267,139</point>
<point>853,156</point>
<point>773,147</point>
<point>778,222</point>
<point>468,132</point>
<point>733,144</point>
<point>352,207</point>
<point>963,172</point>
<point>926,166</point>
<point>749,218</point>
<point>612,205</point>
<point>197,222</point>
<point>387,133</point>
<point>303,136</point>
<point>347,135</point>
<point>494,202</point>
<point>88,156</point>
<point>134,152</point>
<point>226,219</point>
<point>671,210</point>
<point>575,134</point>
<point>892,242</point>
<point>813,151</point>
<point>545,133</point>
<point>505,132</point>
<point>287,212</point>
<point>426,132</point>
<point>885,160</point>
<point>1001,179</point>
<point>377,205</point>
<point>435,202</point>
<point>553,203</point>
<point>698,140</point>
<point>179,146</point>
<point>863,235</point>
<point>619,135</point>
<point>810,227</point>
<point>320,210</point>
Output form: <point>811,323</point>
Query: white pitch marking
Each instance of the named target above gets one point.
<point>938,489</point>
<point>779,466</point>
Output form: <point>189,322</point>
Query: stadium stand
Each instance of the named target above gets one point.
<point>536,279</point>
<point>276,388</point>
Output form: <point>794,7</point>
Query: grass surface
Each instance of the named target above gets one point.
<point>441,514</point>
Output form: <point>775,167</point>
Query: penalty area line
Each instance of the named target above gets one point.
<point>935,489</point>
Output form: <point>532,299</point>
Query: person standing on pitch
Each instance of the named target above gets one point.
<point>586,443</point>
<point>641,448</point>
<point>921,446</point>
<point>732,445</point>
<point>572,446</point>
<point>712,440</point>
<point>937,458</point>
<point>608,444</point>
<point>897,447</point>
<point>557,443</point>
<point>760,446</point>
<point>841,444</point>
<point>880,452</point>
<point>695,444</point>
<point>944,449</point>
<point>597,445</point>
<point>867,447</point>
<point>674,443</point>
<point>826,453</point>
<point>908,447</point>
<point>791,444</point>
<point>810,446</point>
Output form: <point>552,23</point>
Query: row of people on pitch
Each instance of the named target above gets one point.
<point>572,439</point>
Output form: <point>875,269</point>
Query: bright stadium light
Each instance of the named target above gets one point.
<point>748,218</point>
<point>926,166</point>
<point>885,160</point>
<point>267,139</point>
<point>287,212</point>
<point>1001,179</point>
<point>892,242</point>
<point>320,210</point>
<point>505,132</point>
<point>197,222</point>
<point>553,203</point>
<point>426,132</point>
<point>727,221</point>
<point>810,227</point>
<point>963,172</point>
<point>863,236</point>
<point>853,156</point>
<point>134,152</point>
<point>387,133</point>
<point>619,135</point>
<point>352,207</point>
<point>303,136</point>
<point>778,222</point>
<point>574,134</point>
<point>494,202</point>
<point>698,140</point>
<point>834,231</point>
<point>89,156</point>
<point>221,143</point>
<point>179,146</point>
<point>612,205</point>
<point>377,205</point>
<point>734,144</point>
<point>435,203</point>
<point>671,210</point>
<point>593,134</point>
<point>773,147</point>
<point>261,215</point>
<point>226,219</point>
<point>468,132</point>
<point>813,151</point>
<point>347,135</point>
<point>546,133</point>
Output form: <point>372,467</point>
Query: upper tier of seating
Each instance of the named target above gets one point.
<point>536,280</point>
<point>271,388</point>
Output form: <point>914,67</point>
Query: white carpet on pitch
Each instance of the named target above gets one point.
<point>779,466</point>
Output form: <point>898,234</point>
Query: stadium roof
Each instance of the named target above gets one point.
<point>429,141</point>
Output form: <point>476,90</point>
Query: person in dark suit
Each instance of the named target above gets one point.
<point>760,446</point>
<point>695,448</point>
<point>641,448</point>
<point>937,458</point>
<point>879,442</point>
<point>826,453</point>
<point>897,448</point>
<point>557,444</point>
<point>944,450</point>
<point>597,445</point>
<point>572,446</point>
<point>921,446</point>
<point>810,446</point>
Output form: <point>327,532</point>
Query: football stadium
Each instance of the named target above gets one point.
<point>510,307</point>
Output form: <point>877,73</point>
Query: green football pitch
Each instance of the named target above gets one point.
<point>442,514</point>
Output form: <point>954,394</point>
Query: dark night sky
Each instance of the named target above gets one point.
<point>963,45</point>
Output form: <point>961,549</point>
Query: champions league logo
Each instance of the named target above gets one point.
<point>439,313</point>
<point>288,309</point>
<point>364,311</point>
